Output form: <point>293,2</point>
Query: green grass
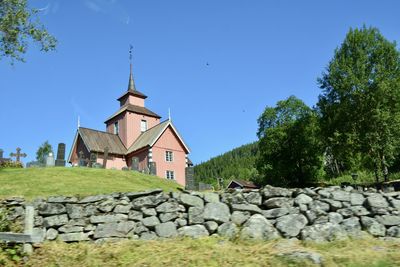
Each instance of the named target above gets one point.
<point>212,252</point>
<point>42,182</point>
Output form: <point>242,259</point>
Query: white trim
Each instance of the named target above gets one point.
<point>176,132</point>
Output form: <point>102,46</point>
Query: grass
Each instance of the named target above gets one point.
<point>42,182</point>
<point>213,252</point>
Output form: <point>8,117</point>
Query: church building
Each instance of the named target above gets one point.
<point>135,138</point>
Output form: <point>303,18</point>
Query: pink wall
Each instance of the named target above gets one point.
<point>143,159</point>
<point>122,127</point>
<point>80,146</point>
<point>169,141</point>
<point>114,161</point>
<point>133,121</point>
<point>133,100</point>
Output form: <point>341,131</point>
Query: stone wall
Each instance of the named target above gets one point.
<point>320,214</point>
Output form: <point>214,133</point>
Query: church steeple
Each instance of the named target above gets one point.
<point>131,85</point>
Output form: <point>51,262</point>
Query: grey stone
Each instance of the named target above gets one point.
<point>149,211</point>
<point>341,196</point>
<point>89,227</point>
<point>372,226</point>
<point>321,219</point>
<point>211,197</point>
<point>335,217</point>
<point>133,195</point>
<point>211,226</point>
<point>246,207</point>
<point>278,202</point>
<point>122,209</point>
<point>167,229</point>
<point>275,213</point>
<point>89,210</point>
<point>148,201</point>
<point>233,198</point>
<point>194,231</point>
<point>351,225</point>
<point>74,211</point>
<point>311,215</point>
<point>395,203</point>
<point>51,234</point>
<point>291,225</point>
<point>323,232</point>
<point>389,220</point>
<point>51,209</point>
<point>239,217</point>
<point>108,218</point>
<point>196,215</point>
<point>394,231</point>
<point>359,211</point>
<point>356,199</point>
<point>165,217</point>
<point>38,220</point>
<point>377,201</point>
<point>334,205</point>
<point>114,229</point>
<point>180,222</point>
<point>378,211</point>
<point>346,213</point>
<point>135,215</point>
<point>270,191</point>
<point>302,199</point>
<point>297,256</point>
<point>140,228</point>
<point>62,199</point>
<point>55,220</point>
<point>107,205</point>
<point>218,212</point>
<point>148,236</point>
<point>319,207</point>
<point>258,227</point>
<point>70,229</point>
<point>150,221</point>
<point>91,199</point>
<point>253,198</point>
<point>189,200</point>
<point>168,207</point>
<point>325,193</point>
<point>73,237</point>
<point>228,230</point>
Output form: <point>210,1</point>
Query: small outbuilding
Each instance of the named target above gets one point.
<point>242,184</point>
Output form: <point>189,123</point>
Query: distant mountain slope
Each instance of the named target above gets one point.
<point>238,163</point>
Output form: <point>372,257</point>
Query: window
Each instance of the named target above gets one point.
<point>116,128</point>
<point>169,156</point>
<point>170,175</point>
<point>143,125</point>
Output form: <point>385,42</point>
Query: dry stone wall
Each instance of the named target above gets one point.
<point>319,214</point>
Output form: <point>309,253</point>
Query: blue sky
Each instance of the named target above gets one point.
<point>215,63</point>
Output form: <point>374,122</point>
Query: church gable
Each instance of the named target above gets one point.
<point>169,139</point>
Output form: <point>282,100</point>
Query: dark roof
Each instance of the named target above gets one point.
<point>135,109</point>
<point>244,183</point>
<point>134,93</point>
<point>96,141</point>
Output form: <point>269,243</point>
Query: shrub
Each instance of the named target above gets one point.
<point>10,164</point>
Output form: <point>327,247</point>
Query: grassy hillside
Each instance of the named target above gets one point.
<point>238,163</point>
<point>214,252</point>
<point>36,182</point>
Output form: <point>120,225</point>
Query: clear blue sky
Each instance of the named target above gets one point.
<point>258,52</point>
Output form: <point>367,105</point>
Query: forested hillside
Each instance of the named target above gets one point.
<point>238,163</point>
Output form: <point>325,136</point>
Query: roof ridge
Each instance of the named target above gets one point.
<point>98,131</point>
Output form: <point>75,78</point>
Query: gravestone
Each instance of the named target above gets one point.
<point>189,177</point>
<point>93,159</point>
<point>60,161</point>
<point>82,162</point>
<point>18,155</point>
<point>205,187</point>
<point>50,160</point>
<point>152,168</point>
<point>1,154</point>
<point>135,164</point>
<point>106,150</point>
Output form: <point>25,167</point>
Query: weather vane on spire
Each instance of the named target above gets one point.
<point>130,53</point>
<point>131,85</point>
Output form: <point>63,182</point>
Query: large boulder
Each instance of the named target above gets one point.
<point>246,207</point>
<point>389,220</point>
<point>302,199</point>
<point>258,227</point>
<point>228,230</point>
<point>148,201</point>
<point>211,197</point>
<point>291,225</point>
<point>218,212</point>
<point>75,211</point>
<point>253,198</point>
<point>195,215</point>
<point>351,225</point>
<point>193,201</point>
<point>356,199</point>
<point>194,231</point>
<point>167,229</point>
<point>239,217</point>
<point>323,232</point>
<point>55,220</point>
<point>114,229</point>
<point>170,206</point>
<point>73,237</point>
<point>278,202</point>
<point>377,201</point>
<point>108,218</point>
<point>340,195</point>
<point>151,221</point>
<point>394,231</point>
<point>270,191</point>
<point>372,226</point>
<point>51,209</point>
<point>275,213</point>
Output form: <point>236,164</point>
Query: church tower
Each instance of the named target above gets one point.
<point>132,118</point>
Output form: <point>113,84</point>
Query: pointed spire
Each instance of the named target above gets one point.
<point>131,85</point>
<point>169,114</point>
<point>79,122</point>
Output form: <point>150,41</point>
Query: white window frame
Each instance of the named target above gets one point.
<point>169,156</point>
<point>116,128</point>
<point>170,175</point>
<point>143,125</point>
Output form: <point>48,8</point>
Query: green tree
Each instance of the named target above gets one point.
<point>360,102</point>
<point>18,25</point>
<point>289,148</point>
<point>43,151</point>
